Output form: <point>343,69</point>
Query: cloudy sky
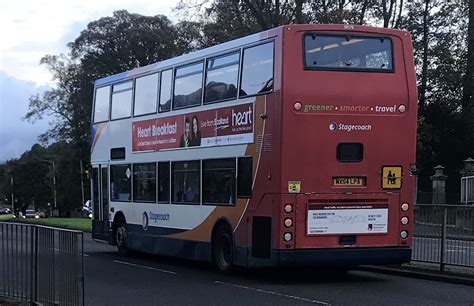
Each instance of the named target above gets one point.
<point>28,31</point>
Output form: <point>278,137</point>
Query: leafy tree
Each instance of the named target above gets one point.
<point>439,37</point>
<point>31,187</point>
<point>107,46</point>
<point>468,84</point>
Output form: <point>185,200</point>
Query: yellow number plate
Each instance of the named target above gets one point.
<point>348,181</point>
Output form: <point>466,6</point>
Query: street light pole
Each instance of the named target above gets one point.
<point>54,185</point>
<point>13,202</point>
<point>54,180</point>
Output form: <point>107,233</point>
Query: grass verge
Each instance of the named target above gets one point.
<point>80,224</point>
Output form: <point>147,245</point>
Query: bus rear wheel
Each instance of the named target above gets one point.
<point>122,238</point>
<point>223,249</point>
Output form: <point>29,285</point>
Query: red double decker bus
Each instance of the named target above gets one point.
<point>288,147</point>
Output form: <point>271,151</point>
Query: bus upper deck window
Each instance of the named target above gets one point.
<point>346,53</point>
<point>188,86</point>
<point>102,102</point>
<point>257,70</point>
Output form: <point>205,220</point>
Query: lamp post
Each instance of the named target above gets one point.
<point>13,202</point>
<point>54,180</point>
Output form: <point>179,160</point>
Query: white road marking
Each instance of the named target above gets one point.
<point>273,293</point>
<point>144,267</point>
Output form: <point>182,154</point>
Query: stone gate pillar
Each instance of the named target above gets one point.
<point>439,185</point>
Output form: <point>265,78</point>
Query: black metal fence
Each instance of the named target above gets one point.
<point>444,234</point>
<point>41,265</point>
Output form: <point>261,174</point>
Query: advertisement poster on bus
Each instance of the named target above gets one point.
<point>357,219</point>
<point>223,126</point>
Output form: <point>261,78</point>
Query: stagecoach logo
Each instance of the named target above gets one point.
<point>345,127</point>
<point>145,221</point>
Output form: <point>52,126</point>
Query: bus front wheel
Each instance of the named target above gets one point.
<point>122,238</point>
<point>223,249</point>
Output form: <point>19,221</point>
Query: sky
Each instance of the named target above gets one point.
<point>31,29</point>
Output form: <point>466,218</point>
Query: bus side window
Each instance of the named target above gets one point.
<point>144,182</point>
<point>120,183</point>
<point>222,74</point>
<point>146,94</point>
<point>188,85</point>
<point>186,177</point>
<point>244,177</point>
<point>257,70</point>
<point>165,91</point>
<point>121,101</point>
<point>164,182</point>
<point>102,104</point>
<point>218,181</point>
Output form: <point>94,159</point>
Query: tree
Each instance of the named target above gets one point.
<point>468,84</point>
<point>107,46</point>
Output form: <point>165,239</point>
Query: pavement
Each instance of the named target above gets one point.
<point>454,275</point>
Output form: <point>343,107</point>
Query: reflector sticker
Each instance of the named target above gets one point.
<point>294,186</point>
<point>391,177</point>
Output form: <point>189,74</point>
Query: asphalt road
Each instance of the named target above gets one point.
<point>156,280</point>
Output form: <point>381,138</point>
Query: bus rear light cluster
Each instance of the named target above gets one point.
<point>288,222</point>
<point>404,220</point>
<point>403,234</point>
<point>402,108</point>
<point>287,237</point>
<point>288,208</point>
<point>405,207</point>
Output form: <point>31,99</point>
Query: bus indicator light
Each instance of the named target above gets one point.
<point>288,222</point>
<point>402,108</point>
<point>287,237</point>
<point>297,106</point>
<point>288,208</point>
<point>403,234</point>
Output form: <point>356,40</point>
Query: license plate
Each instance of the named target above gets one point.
<point>348,181</point>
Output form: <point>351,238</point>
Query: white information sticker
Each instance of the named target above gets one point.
<point>323,220</point>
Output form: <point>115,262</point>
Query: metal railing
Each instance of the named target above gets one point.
<point>41,265</point>
<point>444,234</point>
<point>467,190</point>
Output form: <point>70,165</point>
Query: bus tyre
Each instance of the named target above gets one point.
<point>122,239</point>
<point>223,249</point>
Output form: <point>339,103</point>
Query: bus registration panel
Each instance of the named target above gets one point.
<point>348,181</point>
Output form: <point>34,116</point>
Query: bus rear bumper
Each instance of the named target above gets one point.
<point>343,257</point>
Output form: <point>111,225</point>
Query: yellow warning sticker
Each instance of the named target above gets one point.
<point>294,186</point>
<point>392,177</point>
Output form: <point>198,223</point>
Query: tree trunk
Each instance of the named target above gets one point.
<point>468,86</point>
<point>424,67</point>
<point>385,13</point>
<point>362,12</point>
<point>399,17</point>
<point>299,11</point>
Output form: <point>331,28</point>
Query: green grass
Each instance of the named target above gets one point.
<point>81,224</point>
<point>7,217</point>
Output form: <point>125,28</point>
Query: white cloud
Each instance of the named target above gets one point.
<point>31,29</point>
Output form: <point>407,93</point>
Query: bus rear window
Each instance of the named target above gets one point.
<point>346,53</point>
